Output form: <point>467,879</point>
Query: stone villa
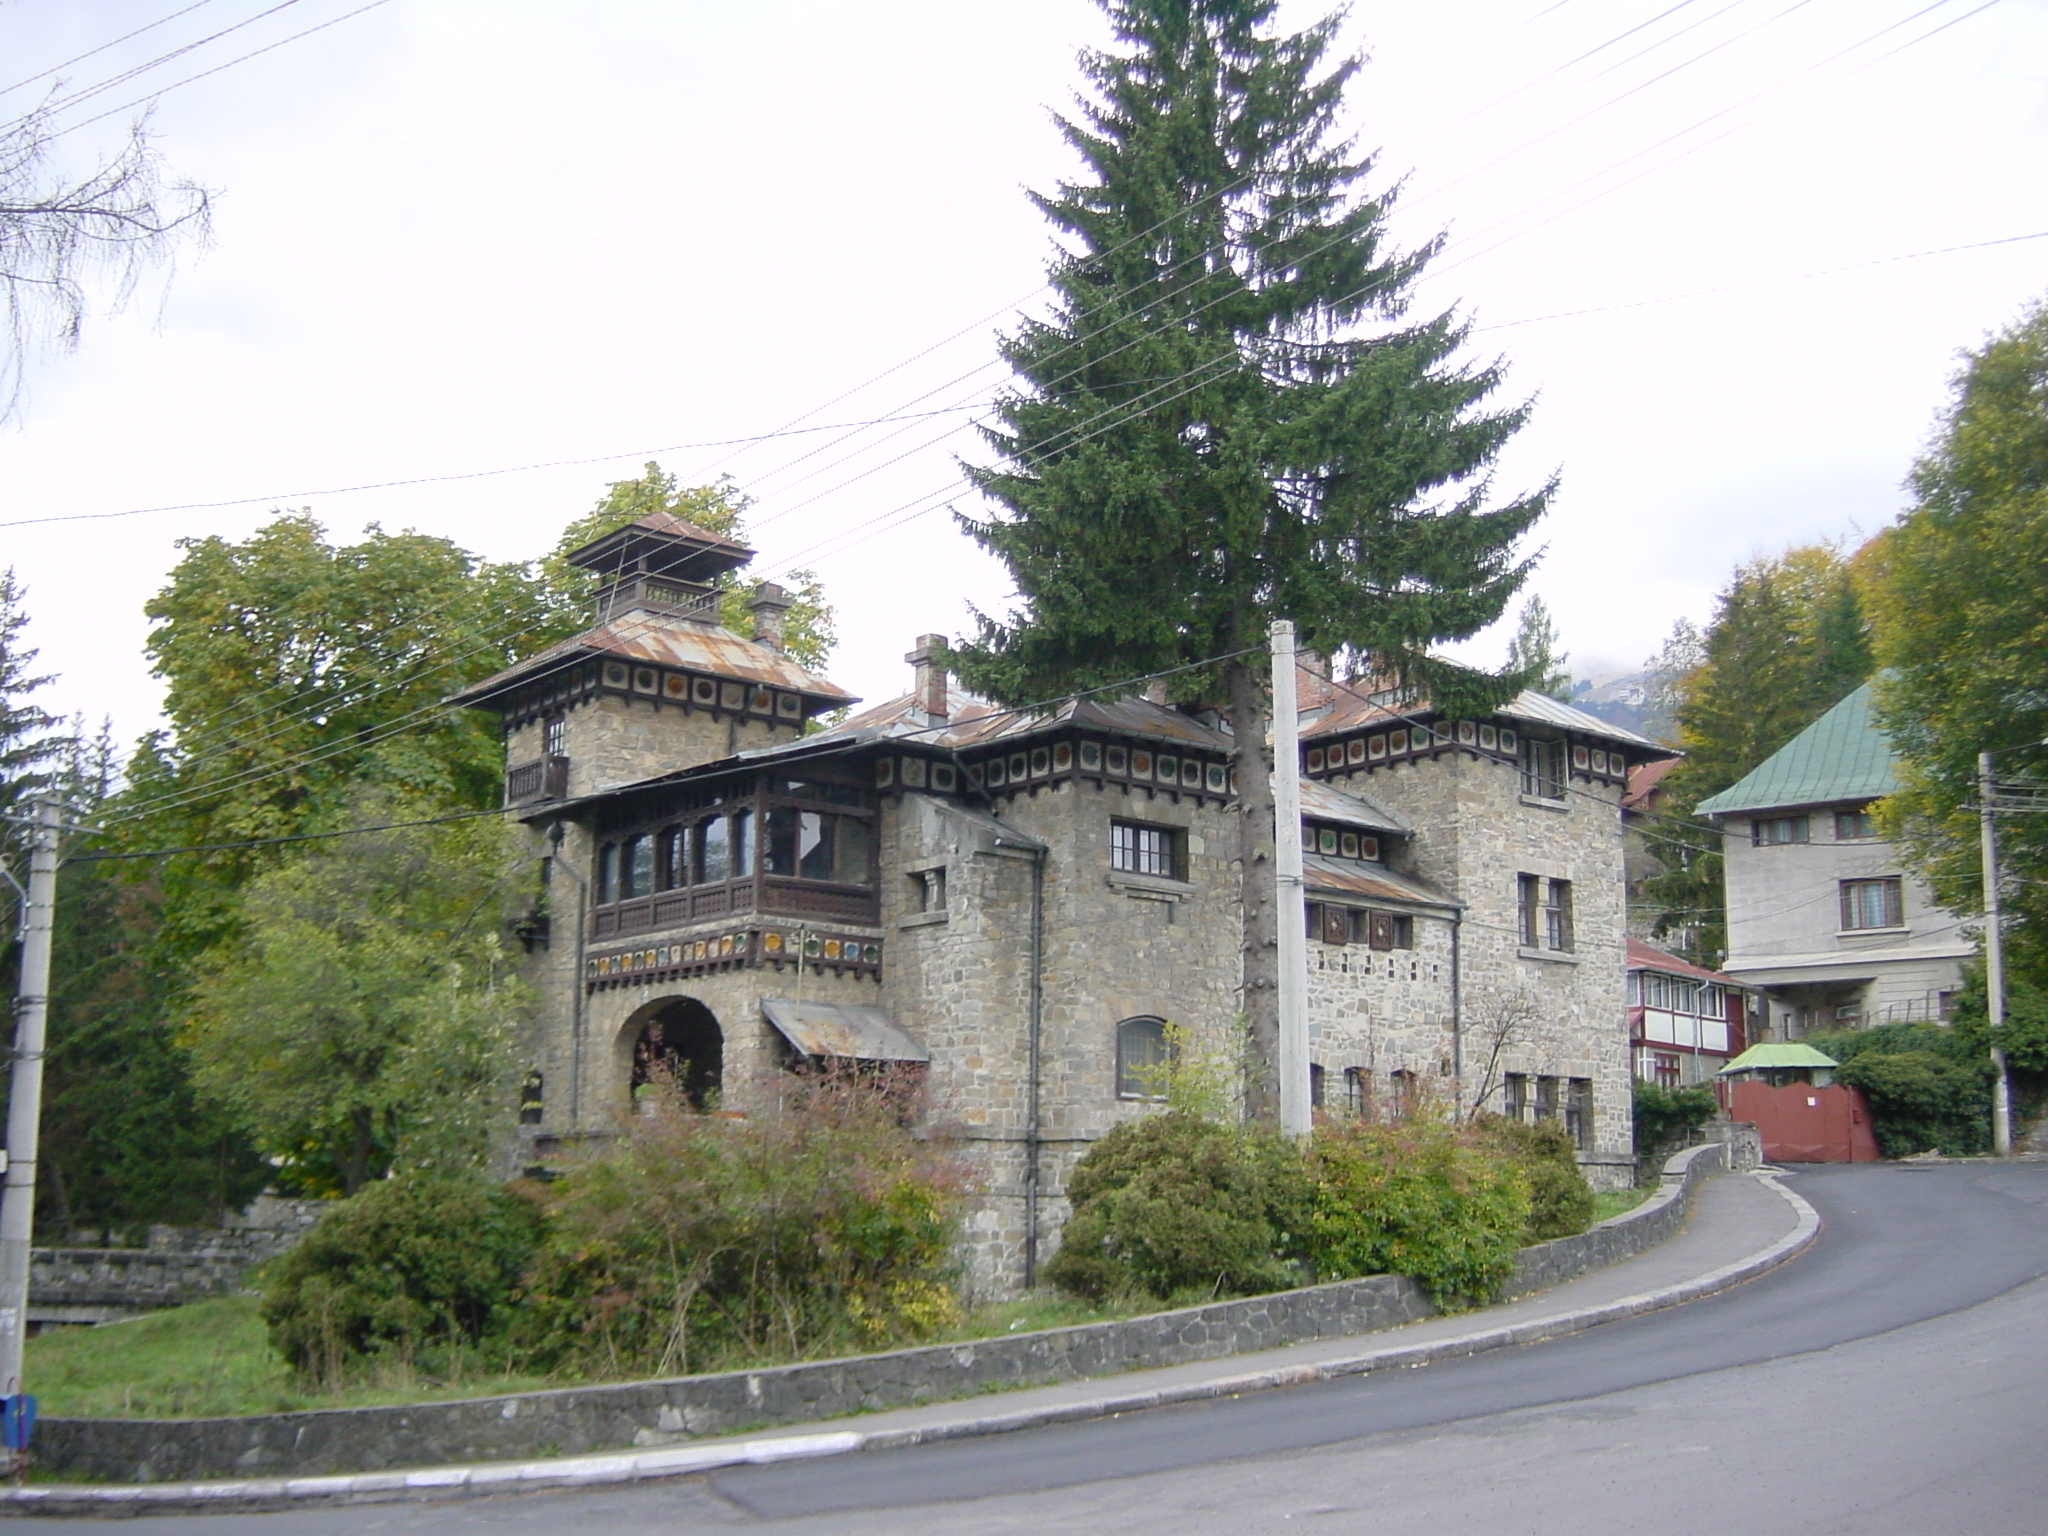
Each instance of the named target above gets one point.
<point>1021,903</point>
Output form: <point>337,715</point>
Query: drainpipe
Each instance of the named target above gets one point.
<point>556,833</point>
<point>1035,1018</point>
<point>1458,1005</point>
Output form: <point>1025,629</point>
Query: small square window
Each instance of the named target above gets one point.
<point>928,890</point>
<point>1139,849</point>
<point>1853,825</point>
<point>1872,903</point>
<point>1544,908</point>
<point>1543,769</point>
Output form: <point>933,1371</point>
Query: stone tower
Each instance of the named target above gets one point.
<point>656,683</point>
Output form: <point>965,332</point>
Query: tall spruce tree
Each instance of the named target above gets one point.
<point>1534,653</point>
<point>1226,420</point>
<point>1787,644</point>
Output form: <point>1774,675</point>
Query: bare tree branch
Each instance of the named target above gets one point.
<point>64,243</point>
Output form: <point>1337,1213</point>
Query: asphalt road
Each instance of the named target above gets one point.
<point>1891,1381</point>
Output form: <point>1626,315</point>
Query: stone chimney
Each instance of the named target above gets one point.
<point>1155,691</point>
<point>768,605</point>
<point>928,694</point>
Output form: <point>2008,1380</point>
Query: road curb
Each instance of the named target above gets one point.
<point>428,1483</point>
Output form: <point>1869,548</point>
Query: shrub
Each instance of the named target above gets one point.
<point>1921,1101</point>
<point>1665,1119</point>
<point>410,1267</point>
<point>1928,1085</point>
<point>1174,1204</point>
<point>704,1240</point>
<point>1560,1199</point>
<point>1418,1199</point>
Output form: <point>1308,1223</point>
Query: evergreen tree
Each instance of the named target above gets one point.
<point>1533,653</point>
<point>1683,652</point>
<point>28,748</point>
<point>1227,420</point>
<point>126,1139</point>
<point>1787,644</point>
<point>1958,598</point>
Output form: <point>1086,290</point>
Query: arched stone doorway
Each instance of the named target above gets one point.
<point>677,1040</point>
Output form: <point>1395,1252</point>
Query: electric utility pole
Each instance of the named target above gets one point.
<point>1288,888</point>
<point>1994,960</point>
<point>25,1093</point>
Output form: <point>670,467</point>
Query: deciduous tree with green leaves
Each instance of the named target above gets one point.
<point>1957,592</point>
<point>1229,418</point>
<point>298,670</point>
<point>363,1015</point>
<point>718,509</point>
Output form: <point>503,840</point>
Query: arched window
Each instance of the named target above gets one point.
<point>1142,1056</point>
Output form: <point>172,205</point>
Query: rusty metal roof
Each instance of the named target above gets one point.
<point>1319,802</point>
<point>653,534</point>
<point>974,722</point>
<point>853,1031</point>
<point>687,644</point>
<point>1353,877</point>
<point>1352,712</point>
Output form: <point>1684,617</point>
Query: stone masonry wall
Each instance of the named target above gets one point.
<point>1475,834</point>
<point>1382,1012</point>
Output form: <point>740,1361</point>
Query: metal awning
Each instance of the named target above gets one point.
<point>851,1030</point>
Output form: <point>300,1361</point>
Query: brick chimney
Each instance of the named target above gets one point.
<point>928,693</point>
<point>768,605</point>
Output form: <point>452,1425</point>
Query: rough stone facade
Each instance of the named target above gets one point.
<point>1030,906</point>
<point>1558,1013</point>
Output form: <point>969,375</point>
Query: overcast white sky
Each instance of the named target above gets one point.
<point>463,236</point>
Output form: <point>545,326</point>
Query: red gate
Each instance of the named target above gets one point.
<point>1804,1124</point>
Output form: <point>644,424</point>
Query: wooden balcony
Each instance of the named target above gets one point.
<point>545,778</point>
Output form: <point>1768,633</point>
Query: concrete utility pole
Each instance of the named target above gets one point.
<point>25,1095</point>
<point>1288,887</point>
<point>1994,960</point>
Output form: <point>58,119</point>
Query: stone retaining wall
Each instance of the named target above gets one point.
<point>579,1419</point>
<point>85,1284</point>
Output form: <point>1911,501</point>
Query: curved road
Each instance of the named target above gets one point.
<point>1891,1381</point>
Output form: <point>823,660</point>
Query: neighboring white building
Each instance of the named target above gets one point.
<point>1821,913</point>
<point>1684,1021</point>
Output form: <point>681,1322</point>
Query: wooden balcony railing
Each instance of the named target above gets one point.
<point>545,778</point>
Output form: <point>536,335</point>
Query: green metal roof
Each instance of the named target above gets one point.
<point>1841,756</point>
<point>1788,1054</point>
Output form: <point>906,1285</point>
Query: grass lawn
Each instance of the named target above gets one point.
<point>201,1361</point>
<point>212,1359</point>
<point>1612,1202</point>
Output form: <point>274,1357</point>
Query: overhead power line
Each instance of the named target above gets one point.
<point>80,58</point>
